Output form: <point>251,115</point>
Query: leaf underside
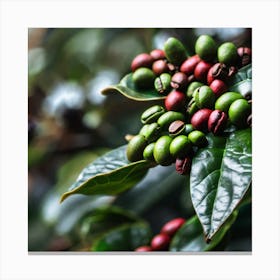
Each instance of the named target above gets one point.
<point>109,174</point>
<point>127,88</point>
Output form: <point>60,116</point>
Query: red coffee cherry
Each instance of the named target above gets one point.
<point>210,77</point>
<point>160,66</point>
<point>175,101</point>
<point>179,81</point>
<point>157,54</point>
<point>143,249</point>
<point>217,121</point>
<point>201,71</point>
<point>171,227</point>
<point>200,118</point>
<point>218,87</point>
<point>218,71</point>
<point>244,56</point>
<point>141,60</point>
<point>183,165</point>
<point>189,64</point>
<point>160,242</point>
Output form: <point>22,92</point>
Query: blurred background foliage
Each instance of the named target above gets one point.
<point>70,124</point>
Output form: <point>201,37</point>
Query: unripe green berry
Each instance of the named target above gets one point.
<point>192,107</point>
<point>135,148</point>
<point>152,114</point>
<point>206,47</point>
<point>143,129</point>
<point>175,51</point>
<point>197,138</point>
<point>163,83</point>
<point>180,146</point>
<point>188,129</point>
<point>161,152</point>
<point>192,87</point>
<point>204,97</point>
<point>227,53</point>
<point>143,78</point>
<point>148,152</point>
<point>152,132</point>
<point>225,100</point>
<point>167,118</point>
<point>238,112</point>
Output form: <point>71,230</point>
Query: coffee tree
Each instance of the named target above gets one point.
<point>197,134</point>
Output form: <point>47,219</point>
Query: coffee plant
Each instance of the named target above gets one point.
<point>197,133</point>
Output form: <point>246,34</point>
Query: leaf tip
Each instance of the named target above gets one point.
<point>63,197</point>
<point>208,240</point>
<point>108,90</point>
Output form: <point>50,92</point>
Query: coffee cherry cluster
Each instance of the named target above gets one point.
<point>165,138</point>
<point>197,100</point>
<point>161,241</point>
<point>170,69</point>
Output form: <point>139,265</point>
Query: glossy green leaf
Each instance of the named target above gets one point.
<point>190,237</point>
<point>242,81</point>
<point>103,219</point>
<point>69,171</point>
<point>63,218</point>
<point>220,177</point>
<point>124,238</point>
<point>109,174</point>
<point>127,88</point>
<point>158,184</point>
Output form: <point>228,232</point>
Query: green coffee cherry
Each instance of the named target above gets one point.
<point>192,87</point>
<point>206,47</point>
<point>198,138</point>
<point>148,152</point>
<point>238,112</point>
<point>135,148</point>
<point>152,132</point>
<point>167,118</point>
<point>174,51</point>
<point>152,114</point>
<point>161,151</point>
<point>143,78</point>
<point>225,100</point>
<point>163,83</point>
<point>143,130</point>
<point>181,146</point>
<point>192,107</point>
<point>227,53</point>
<point>188,129</point>
<point>204,97</point>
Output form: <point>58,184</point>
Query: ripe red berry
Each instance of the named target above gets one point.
<point>183,165</point>
<point>217,121</point>
<point>175,101</point>
<point>218,87</point>
<point>189,64</point>
<point>201,71</point>
<point>210,77</point>
<point>171,227</point>
<point>217,71</point>
<point>157,54</point>
<point>142,60</point>
<point>143,249</point>
<point>160,242</point>
<point>200,118</point>
<point>160,66</point>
